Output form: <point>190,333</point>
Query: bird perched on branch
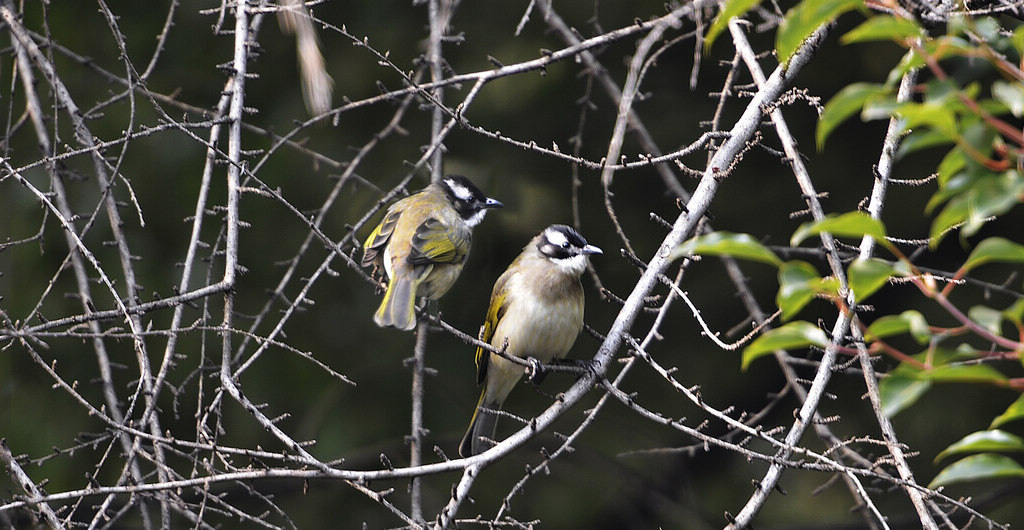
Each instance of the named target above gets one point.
<point>422,243</point>
<point>536,312</point>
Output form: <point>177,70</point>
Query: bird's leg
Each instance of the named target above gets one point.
<point>536,372</point>
<point>379,279</point>
<point>427,308</point>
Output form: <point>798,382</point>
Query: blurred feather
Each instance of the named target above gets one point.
<point>317,85</point>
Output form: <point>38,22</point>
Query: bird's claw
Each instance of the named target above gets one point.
<point>536,371</point>
<point>586,366</point>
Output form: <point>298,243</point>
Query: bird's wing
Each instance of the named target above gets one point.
<point>437,242</point>
<point>378,239</point>
<point>495,311</point>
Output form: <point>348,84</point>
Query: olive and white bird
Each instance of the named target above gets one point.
<point>422,243</point>
<point>537,307</point>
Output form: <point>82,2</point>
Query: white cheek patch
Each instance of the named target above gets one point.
<point>574,265</point>
<point>461,192</point>
<point>476,218</point>
<point>556,238</point>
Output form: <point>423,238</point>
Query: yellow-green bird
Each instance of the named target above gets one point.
<point>537,306</point>
<point>423,242</point>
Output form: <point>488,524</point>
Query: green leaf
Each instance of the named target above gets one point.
<point>799,334</point>
<point>971,91</point>
<point>982,442</point>
<point>796,287</point>
<point>900,392</point>
<point>908,381</point>
<point>979,136</point>
<point>949,366</point>
<point>951,165</point>
<point>966,351</point>
<point>994,249</point>
<point>983,199</point>
<point>937,115</point>
<point>867,276</point>
<point>941,91</point>
<point>921,139</point>
<point>952,215</point>
<point>850,224</point>
<point>1011,95</point>
<point>959,172</point>
<point>726,244</point>
<point>910,61</point>
<point>732,8</point>
<point>1015,313</point>
<point>986,317</point>
<point>978,467</point>
<point>883,27</point>
<point>909,321</point>
<point>949,46</point>
<point>846,103</point>
<point>963,373</point>
<point>879,109</point>
<point>1018,40</point>
<point>986,27</point>
<point>804,19</point>
<point>1012,413</point>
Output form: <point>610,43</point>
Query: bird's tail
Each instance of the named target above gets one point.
<point>398,308</point>
<point>481,428</point>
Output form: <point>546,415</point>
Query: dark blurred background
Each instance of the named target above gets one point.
<point>610,480</point>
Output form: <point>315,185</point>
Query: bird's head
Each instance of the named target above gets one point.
<point>566,248</point>
<point>467,199</point>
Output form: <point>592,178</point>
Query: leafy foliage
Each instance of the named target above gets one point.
<point>979,179</point>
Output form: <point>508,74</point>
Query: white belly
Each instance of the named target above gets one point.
<point>539,330</point>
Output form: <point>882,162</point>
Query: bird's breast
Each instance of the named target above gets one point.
<point>540,321</point>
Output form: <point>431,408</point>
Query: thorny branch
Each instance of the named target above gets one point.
<point>189,429</point>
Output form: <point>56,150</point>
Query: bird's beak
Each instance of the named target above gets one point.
<point>591,249</point>
<point>493,203</point>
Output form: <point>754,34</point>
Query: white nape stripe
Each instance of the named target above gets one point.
<point>556,237</point>
<point>461,192</point>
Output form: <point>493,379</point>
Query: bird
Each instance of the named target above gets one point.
<point>422,242</point>
<point>535,312</point>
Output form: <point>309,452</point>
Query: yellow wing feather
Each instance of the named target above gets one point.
<point>436,242</point>
<point>496,310</point>
<point>378,239</point>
